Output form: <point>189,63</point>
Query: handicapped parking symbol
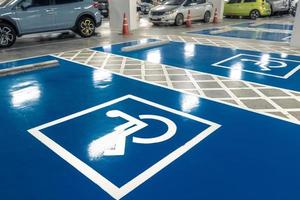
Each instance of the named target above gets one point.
<point>266,65</point>
<point>114,144</point>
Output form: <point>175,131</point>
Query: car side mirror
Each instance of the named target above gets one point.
<point>25,6</point>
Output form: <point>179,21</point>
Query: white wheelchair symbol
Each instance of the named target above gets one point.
<point>114,144</point>
<point>265,65</point>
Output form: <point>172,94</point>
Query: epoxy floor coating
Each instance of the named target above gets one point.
<point>216,147</point>
<point>278,70</point>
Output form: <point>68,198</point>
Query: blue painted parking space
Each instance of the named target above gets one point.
<point>246,34</point>
<point>272,26</point>
<point>278,70</point>
<point>73,132</point>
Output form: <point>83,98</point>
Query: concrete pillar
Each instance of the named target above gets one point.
<point>296,32</point>
<point>117,8</point>
<point>219,4</point>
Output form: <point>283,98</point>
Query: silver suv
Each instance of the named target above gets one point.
<point>21,17</point>
<point>279,5</point>
<point>176,11</point>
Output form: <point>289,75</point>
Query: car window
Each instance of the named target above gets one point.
<point>34,3</point>
<point>234,1</point>
<point>189,2</point>
<point>201,1</point>
<point>4,2</point>
<point>174,2</point>
<point>66,1</point>
<point>249,1</point>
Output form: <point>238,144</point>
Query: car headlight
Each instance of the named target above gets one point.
<point>170,12</point>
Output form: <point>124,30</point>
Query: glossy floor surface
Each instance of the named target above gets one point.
<point>249,34</point>
<point>176,146</point>
<point>272,26</point>
<point>179,133</point>
<point>279,70</point>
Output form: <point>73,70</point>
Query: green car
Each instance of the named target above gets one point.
<point>247,8</point>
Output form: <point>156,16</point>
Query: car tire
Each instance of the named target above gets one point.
<point>155,24</point>
<point>207,17</point>
<point>179,20</point>
<point>7,35</point>
<point>254,14</point>
<point>86,27</point>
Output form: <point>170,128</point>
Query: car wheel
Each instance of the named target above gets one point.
<point>206,17</point>
<point>86,27</point>
<point>254,14</point>
<point>179,20</point>
<point>155,24</point>
<point>7,35</point>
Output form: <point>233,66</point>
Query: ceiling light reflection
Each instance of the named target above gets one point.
<point>101,78</point>
<point>25,94</point>
<point>189,50</point>
<point>154,56</point>
<point>189,103</point>
<point>236,71</point>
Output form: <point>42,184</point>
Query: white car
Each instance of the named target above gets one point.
<point>176,11</point>
<point>293,8</point>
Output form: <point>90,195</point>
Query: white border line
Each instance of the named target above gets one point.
<point>100,180</point>
<point>181,91</point>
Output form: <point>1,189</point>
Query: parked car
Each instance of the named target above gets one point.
<point>146,6</point>
<point>247,8</point>
<point>176,11</point>
<point>293,9</point>
<point>22,17</point>
<point>103,7</point>
<point>279,5</point>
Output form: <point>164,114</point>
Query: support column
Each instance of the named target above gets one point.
<point>117,8</point>
<point>296,32</point>
<point>219,4</point>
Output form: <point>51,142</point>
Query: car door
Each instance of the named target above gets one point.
<point>201,4</point>
<point>191,5</point>
<point>233,7</point>
<point>248,6</point>
<point>67,12</point>
<point>35,16</point>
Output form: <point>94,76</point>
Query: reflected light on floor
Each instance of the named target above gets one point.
<point>189,50</point>
<point>107,48</point>
<point>236,71</point>
<point>101,79</point>
<point>154,56</point>
<point>30,92</point>
<point>189,103</point>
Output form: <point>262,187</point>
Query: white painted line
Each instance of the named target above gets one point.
<point>144,46</point>
<point>29,67</point>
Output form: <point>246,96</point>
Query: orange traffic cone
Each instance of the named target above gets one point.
<point>125,25</point>
<point>216,17</point>
<point>189,20</point>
